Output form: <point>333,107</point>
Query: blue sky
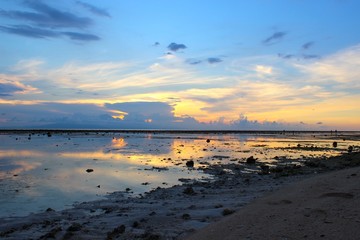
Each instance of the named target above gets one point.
<point>180,64</point>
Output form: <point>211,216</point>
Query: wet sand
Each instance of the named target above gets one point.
<point>180,211</point>
<point>321,207</point>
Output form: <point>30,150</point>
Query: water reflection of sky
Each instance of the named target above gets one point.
<point>43,172</point>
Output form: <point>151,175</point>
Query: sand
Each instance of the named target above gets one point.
<point>321,207</point>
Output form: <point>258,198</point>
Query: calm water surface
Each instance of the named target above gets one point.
<point>38,172</point>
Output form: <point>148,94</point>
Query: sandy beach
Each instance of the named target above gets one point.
<point>321,207</point>
<point>244,199</point>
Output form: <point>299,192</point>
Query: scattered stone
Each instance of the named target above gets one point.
<point>135,224</point>
<point>251,160</point>
<point>51,234</point>
<point>145,183</point>
<point>190,163</point>
<point>89,170</point>
<point>50,210</point>
<point>117,231</point>
<point>208,140</point>
<point>350,149</point>
<point>189,191</point>
<point>334,144</point>
<point>98,186</point>
<point>186,216</point>
<point>75,227</point>
<point>265,169</point>
<point>227,211</point>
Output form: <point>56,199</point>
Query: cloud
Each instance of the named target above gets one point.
<point>29,31</point>
<point>307,45</point>
<point>310,56</point>
<point>213,60</point>
<point>81,36</point>
<point>276,37</point>
<point>46,16</point>
<point>45,21</point>
<point>7,89</point>
<point>93,9</point>
<point>175,46</point>
<point>286,56</point>
<point>193,61</point>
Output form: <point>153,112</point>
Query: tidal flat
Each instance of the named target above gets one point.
<point>149,184</point>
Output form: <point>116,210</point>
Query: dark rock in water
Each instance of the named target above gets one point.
<point>334,144</point>
<point>207,140</point>
<point>186,216</point>
<point>49,134</point>
<point>265,169</point>
<point>190,163</point>
<point>251,160</point>
<point>89,170</point>
<point>135,224</point>
<point>227,211</point>
<point>98,186</point>
<point>74,227</point>
<point>117,231</point>
<point>189,191</point>
<point>350,149</point>
<point>50,210</point>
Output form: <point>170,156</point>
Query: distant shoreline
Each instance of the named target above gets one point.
<point>332,133</point>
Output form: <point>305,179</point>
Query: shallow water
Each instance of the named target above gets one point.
<point>39,172</point>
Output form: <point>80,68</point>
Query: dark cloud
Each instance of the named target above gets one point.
<point>214,60</point>
<point>193,61</point>
<point>81,36</point>
<point>307,45</point>
<point>175,46</point>
<point>44,21</point>
<point>286,56</point>
<point>93,9</point>
<point>156,44</point>
<point>7,89</point>
<point>46,16</point>
<point>276,37</point>
<point>310,56</point>
<point>28,31</point>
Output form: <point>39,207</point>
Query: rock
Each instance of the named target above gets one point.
<point>208,140</point>
<point>50,210</point>
<point>334,144</point>
<point>265,169</point>
<point>89,170</point>
<point>350,149</point>
<point>250,160</point>
<point>186,216</point>
<point>74,227</point>
<point>190,163</point>
<point>227,211</point>
<point>117,231</point>
<point>189,191</point>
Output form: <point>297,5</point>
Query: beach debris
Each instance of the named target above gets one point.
<point>189,191</point>
<point>227,211</point>
<point>265,169</point>
<point>334,144</point>
<point>208,140</point>
<point>89,170</point>
<point>75,227</point>
<point>190,163</point>
<point>186,216</point>
<point>350,149</point>
<point>116,231</point>
<point>251,160</point>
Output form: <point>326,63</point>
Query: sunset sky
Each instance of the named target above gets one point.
<point>230,64</point>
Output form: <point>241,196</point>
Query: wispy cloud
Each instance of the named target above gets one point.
<point>44,21</point>
<point>213,60</point>
<point>93,9</point>
<point>274,38</point>
<point>307,45</point>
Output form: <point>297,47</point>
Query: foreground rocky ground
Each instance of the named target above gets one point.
<point>174,212</point>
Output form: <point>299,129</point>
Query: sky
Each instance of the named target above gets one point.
<point>217,65</point>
